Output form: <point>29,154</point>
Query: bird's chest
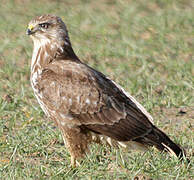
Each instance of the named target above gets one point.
<point>35,79</point>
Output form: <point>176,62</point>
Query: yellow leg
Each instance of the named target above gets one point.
<point>73,162</point>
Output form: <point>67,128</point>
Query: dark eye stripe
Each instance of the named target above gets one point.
<point>44,25</point>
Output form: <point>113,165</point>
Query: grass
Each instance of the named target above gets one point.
<point>146,46</point>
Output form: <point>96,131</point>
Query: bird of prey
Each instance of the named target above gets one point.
<point>86,105</point>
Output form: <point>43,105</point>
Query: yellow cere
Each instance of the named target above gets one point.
<point>30,27</point>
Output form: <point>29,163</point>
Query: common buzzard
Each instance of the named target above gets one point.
<point>86,105</point>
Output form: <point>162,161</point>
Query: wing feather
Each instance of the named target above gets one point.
<point>93,101</point>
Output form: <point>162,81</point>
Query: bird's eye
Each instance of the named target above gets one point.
<point>44,25</point>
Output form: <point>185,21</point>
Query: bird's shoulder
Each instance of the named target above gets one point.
<point>70,86</point>
<point>71,72</point>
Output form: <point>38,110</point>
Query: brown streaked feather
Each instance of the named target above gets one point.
<point>101,106</point>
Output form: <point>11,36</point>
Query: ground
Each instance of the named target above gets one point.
<point>145,46</point>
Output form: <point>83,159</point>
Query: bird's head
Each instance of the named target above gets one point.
<point>47,28</point>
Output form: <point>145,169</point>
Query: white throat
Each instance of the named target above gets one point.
<point>39,45</point>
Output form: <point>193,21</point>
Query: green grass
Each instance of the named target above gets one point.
<point>146,46</point>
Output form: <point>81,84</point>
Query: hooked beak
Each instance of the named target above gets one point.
<point>30,30</point>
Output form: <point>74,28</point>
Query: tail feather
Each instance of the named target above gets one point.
<point>162,142</point>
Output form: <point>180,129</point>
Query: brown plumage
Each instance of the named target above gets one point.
<point>85,104</point>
